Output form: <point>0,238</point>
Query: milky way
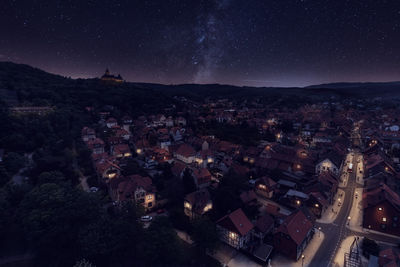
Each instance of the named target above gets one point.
<point>254,42</point>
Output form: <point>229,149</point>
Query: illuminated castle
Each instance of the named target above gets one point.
<point>107,77</point>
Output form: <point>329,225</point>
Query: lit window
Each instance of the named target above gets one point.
<point>207,207</point>
<point>298,202</point>
<point>232,235</point>
<point>149,197</point>
<point>384,219</point>
<point>317,205</point>
<point>380,209</point>
<point>138,151</point>
<point>187,205</point>
<point>261,186</point>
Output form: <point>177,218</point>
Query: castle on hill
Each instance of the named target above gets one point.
<point>108,77</point>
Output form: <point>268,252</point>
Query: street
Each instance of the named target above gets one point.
<point>338,231</point>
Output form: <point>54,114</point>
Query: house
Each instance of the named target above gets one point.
<point>293,235</point>
<point>263,226</point>
<point>181,121</point>
<point>106,169</point>
<point>177,133</point>
<point>185,153</point>
<point>96,145</point>
<point>294,199</point>
<point>178,168</point>
<point>111,123</point>
<point>382,210</point>
<point>121,151</point>
<point>377,164</point>
<point>123,134</point>
<point>317,203</point>
<point>235,229</point>
<point>331,162</point>
<point>389,257</point>
<point>265,187</point>
<point>197,203</point>
<point>248,197</point>
<point>202,177</point>
<point>169,122</point>
<point>134,187</point>
<point>88,134</point>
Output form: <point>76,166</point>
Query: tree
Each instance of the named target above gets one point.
<point>162,244</point>
<point>52,216</point>
<point>204,234</point>
<point>4,176</point>
<point>4,212</point>
<point>108,240</point>
<point>55,177</point>
<point>188,182</point>
<point>13,162</point>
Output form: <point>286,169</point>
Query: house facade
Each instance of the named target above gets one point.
<point>235,229</point>
<point>293,235</point>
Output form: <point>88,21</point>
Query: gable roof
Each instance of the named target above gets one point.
<point>265,223</point>
<point>248,196</point>
<point>379,194</point>
<point>236,222</point>
<point>186,151</point>
<point>297,226</point>
<point>198,199</point>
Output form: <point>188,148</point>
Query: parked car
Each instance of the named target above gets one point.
<point>146,218</point>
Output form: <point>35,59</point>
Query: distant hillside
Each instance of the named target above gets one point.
<point>23,76</point>
<point>44,85</point>
<point>356,85</point>
<point>370,89</point>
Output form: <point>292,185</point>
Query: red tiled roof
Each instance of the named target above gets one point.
<point>265,223</point>
<point>248,196</point>
<point>186,150</point>
<point>377,195</point>
<point>236,222</point>
<point>199,200</point>
<point>178,168</point>
<point>389,256</point>
<point>297,226</point>
<point>126,186</point>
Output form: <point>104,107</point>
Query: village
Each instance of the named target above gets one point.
<point>288,193</point>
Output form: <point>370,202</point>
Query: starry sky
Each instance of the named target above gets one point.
<point>240,42</point>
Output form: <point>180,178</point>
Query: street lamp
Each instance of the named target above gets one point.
<point>302,260</point>
<point>319,231</point>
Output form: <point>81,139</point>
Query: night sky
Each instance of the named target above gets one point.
<point>241,42</point>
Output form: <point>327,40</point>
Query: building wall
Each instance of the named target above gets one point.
<point>374,218</point>
<point>233,239</point>
<point>327,165</point>
<point>187,160</point>
<point>146,199</point>
<point>285,245</point>
<point>263,192</point>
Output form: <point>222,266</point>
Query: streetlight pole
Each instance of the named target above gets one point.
<point>302,260</point>
<point>319,231</point>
